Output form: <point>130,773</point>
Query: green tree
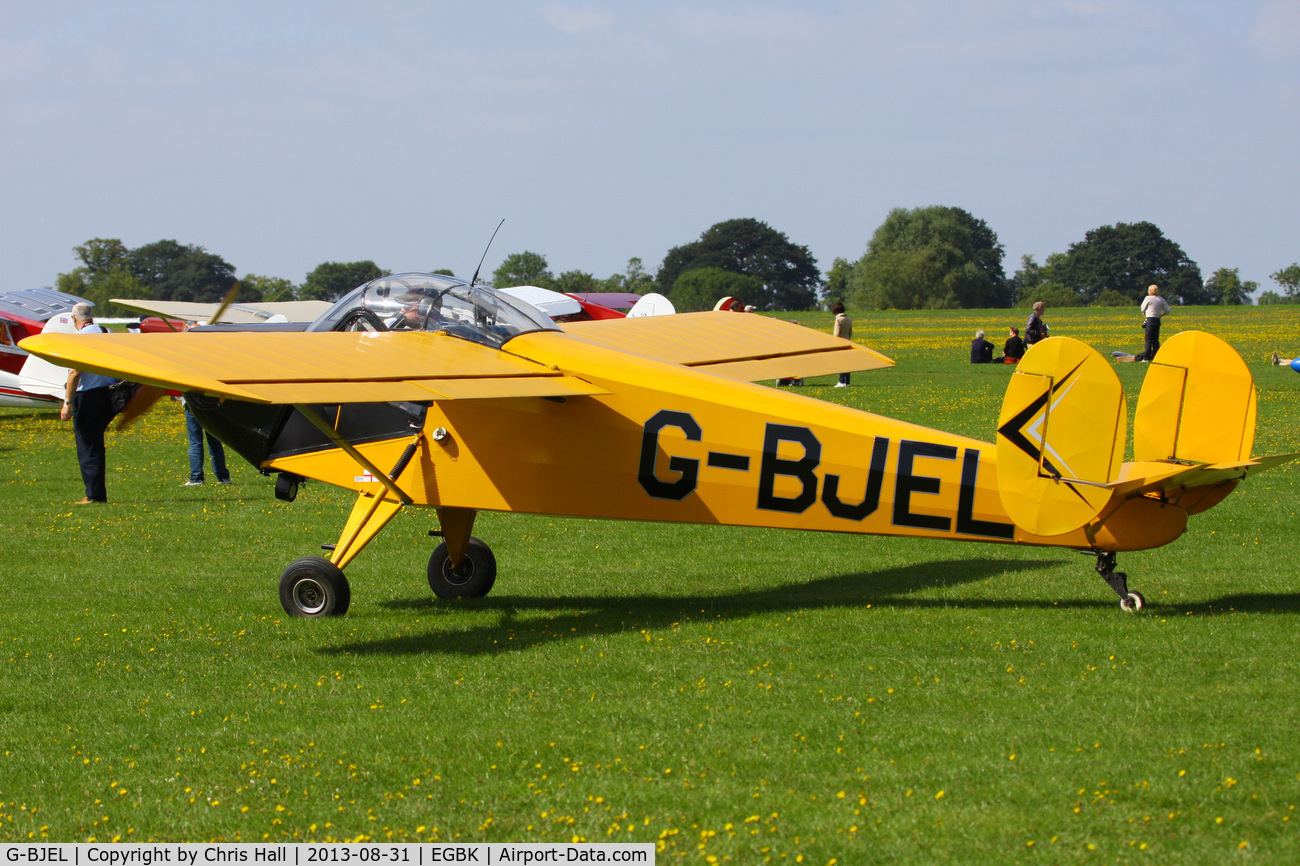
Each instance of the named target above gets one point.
<point>184,272</point>
<point>634,279</point>
<point>575,281</point>
<point>1126,258</point>
<point>1033,279</point>
<point>837,283</point>
<point>1225,287</point>
<point>931,258</point>
<point>523,269</point>
<point>105,272</point>
<point>1289,279</point>
<point>702,288</point>
<point>1271,297</point>
<point>270,289</point>
<point>788,272</point>
<point>329,281</point>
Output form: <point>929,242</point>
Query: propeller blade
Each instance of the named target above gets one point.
<point>142,402</point>
<point>226,301</point>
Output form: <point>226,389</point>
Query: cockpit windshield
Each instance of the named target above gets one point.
<point>431,302</point>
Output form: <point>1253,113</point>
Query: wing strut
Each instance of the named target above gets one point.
<point>317,420</point>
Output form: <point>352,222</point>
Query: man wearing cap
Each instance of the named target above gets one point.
<point>1153,308</point>
<point>87,403</point>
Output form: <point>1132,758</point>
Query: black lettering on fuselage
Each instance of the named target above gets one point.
<point>688,470</point>
<point>966,522</point>
<point>905,484</point>
<point>801,469</point>
<point>684,476</point>
<point>870,498</point>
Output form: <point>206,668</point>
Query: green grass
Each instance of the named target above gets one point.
<point>740,694</point>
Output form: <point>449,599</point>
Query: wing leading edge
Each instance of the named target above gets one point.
<point>332,367</point>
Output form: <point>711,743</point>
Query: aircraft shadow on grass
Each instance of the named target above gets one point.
<point>577,617</point>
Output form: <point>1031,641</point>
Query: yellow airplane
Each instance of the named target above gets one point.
<point>421,389</point>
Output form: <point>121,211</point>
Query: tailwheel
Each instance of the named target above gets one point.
<point>312,586</point>
<point>1129,601</point>
<point>472,578</point>
<point>1133,603</point>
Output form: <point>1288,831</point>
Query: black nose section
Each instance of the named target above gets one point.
<point>259,432</point>
<point>249,428</point>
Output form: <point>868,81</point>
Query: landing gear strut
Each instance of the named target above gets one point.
<point>1129,601</point>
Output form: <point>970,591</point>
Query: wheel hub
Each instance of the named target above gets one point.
<point>309,595</point>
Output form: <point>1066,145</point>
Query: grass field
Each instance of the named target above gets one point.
<point>735,695</point>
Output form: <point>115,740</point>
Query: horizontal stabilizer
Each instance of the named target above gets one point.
<point>1170,479</point>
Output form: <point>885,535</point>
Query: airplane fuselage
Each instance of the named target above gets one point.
<point>670,443</point>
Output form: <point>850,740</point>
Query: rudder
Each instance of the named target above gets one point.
<point>1197,403</point>
<point>1061,437</point>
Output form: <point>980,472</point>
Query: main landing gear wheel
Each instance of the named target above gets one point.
<point>473,578</point>
<point>1129,601</point>
<point>314,587</point>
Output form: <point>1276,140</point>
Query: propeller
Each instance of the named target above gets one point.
<point>144,399</point>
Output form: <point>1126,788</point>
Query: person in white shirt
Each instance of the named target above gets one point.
<point>1154,308</point>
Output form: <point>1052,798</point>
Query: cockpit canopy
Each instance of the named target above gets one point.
<point>432,302</point>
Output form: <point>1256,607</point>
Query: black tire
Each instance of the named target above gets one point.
<point>312,587</point>
<point>474,577</point>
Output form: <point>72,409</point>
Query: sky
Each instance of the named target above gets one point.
<point>280,134</point>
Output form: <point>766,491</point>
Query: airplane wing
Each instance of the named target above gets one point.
<point>742,346</point>
<point>381,367</point>
<point>330,367</point>
<point>240,314</point>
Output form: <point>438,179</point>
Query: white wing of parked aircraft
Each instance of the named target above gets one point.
<point>239,314</point>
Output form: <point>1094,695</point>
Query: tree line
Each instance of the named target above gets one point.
<point>933,257</point>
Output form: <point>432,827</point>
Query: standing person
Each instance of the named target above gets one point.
<point>87,403</point>
<point>1153,308</point>
<point>981,350</point>
<point>196,436</point>
<point>843,328</point>
<point>196,433</point>
<point>1036,328</point>
<point>1014,349</point>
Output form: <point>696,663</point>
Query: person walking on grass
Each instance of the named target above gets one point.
<point>843,328</point>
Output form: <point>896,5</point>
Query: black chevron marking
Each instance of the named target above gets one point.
<point>1013,430</point>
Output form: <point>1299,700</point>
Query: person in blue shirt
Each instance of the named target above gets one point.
<point>87,402</point>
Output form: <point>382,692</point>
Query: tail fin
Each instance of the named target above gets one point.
<point>1197,403</point>
<point>39,376</point>
<point>1061,437</point>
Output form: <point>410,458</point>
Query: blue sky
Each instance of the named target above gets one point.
<point>280,135</point>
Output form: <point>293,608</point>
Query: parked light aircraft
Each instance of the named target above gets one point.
<point>422,390</point>
<point>38,383</point>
